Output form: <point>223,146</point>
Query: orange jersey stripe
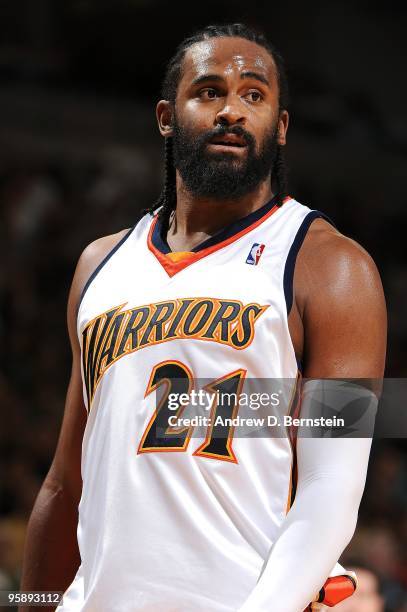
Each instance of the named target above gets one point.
<point>179,255</point>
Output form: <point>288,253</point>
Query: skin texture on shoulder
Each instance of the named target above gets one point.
<point>338,321</point>
<point>89,260</point>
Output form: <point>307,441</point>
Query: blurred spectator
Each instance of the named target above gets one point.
<point>367,597</point>
<point>12,534</point>
<point>378,549</point>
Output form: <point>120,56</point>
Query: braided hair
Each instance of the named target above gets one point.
<point>168,197</point>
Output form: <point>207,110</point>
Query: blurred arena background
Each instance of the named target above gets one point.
<point>80,155</point>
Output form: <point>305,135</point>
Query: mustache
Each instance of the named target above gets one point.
<point>223,130</point>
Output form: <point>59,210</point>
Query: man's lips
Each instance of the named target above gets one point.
<point>228,140</point>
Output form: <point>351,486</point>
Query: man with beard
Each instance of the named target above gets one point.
<point>225,281</point>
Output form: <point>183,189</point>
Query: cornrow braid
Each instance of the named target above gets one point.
<point>280,176</point>
<point>168,198</point>
<point>169,194</point>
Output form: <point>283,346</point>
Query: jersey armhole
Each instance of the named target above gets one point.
<point>293,252</point>
<point>100,266</point>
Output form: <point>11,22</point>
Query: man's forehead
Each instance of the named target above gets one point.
<point>228,53</point>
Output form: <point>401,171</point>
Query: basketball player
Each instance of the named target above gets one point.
<point>227,278</point>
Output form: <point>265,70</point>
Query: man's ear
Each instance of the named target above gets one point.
<point>282,127</point>
<point>164,116</point>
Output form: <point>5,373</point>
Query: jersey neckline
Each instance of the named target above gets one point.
<point>159,246</point>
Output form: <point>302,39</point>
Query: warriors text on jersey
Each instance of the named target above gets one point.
<point>180,522</point>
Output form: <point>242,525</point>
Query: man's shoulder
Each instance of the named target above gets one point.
<point>91,257</point>
<point>332,264</point>
<point>97,250</point>
<point>327,249</point>
<point>340,302</point>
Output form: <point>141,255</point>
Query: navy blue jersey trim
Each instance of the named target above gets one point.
<point>158,240</point>
<point>293,252</point>
<point>162,245</point>
<point>100,266</point>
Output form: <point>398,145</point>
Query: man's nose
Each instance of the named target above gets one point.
<point>231,113</point>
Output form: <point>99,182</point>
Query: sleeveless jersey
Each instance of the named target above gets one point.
<point>180,523</point>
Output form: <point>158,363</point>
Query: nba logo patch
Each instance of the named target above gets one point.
<point>255,254</point>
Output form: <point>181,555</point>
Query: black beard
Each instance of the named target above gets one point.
<point>221,175</point>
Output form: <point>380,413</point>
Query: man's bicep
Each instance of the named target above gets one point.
<point>65,471</point>
<point>345,314</point>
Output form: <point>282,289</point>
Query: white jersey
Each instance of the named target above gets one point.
<point>179,522</point>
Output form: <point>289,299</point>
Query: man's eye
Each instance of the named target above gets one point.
<point>208,93</point>
<point>254,96</point>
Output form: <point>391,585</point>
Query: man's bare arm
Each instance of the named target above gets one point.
<point>51,555</point>
<point>340,296</point>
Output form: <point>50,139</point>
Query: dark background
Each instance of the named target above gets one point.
<point>80,155</point>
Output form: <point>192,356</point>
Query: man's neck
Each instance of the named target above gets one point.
<point>197,219</point>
